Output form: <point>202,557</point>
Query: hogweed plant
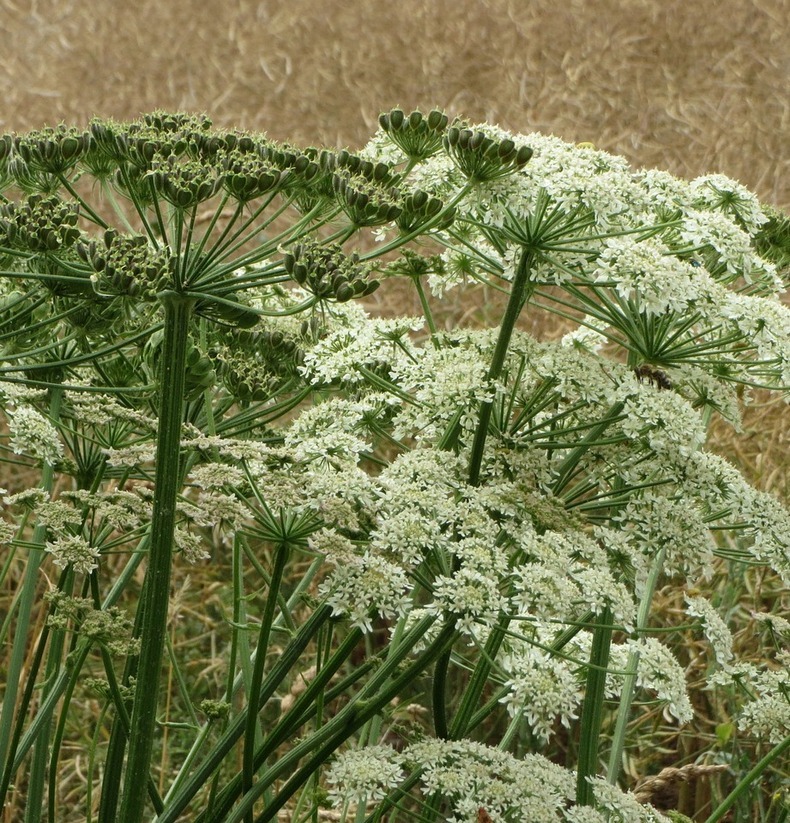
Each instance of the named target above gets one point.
<point>428,559</point>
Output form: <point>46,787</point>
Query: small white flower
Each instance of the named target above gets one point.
<point>715,628</point>
<point>75,551</point>
<point>363,775</point>
<point>32,433</point>
<point>659,671</point>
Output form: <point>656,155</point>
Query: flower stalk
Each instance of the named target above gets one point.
<point>157,587</point>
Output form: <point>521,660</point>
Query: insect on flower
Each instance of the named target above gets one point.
<point>652,375</point>
<point>483,816</point>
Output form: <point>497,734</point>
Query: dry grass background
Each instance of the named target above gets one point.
<point>692,86</point>
<point>688,85</point>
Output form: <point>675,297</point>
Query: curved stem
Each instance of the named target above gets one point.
<point>157,590</point>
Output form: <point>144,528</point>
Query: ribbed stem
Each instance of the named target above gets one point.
<point>592,712</point>
<point>519,294</point>
<point>629,681</point>
<point>157,589</point>
<point>251,729</point>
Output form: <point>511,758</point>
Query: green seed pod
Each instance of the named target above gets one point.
<point>437,120</point>
<point>419,199</point>
<point>415,119</point>
<point>506,148</point>
<point>523,155</point>
<point>476,140</point>
<point>396,118</point>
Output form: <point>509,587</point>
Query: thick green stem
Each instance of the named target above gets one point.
<point>157,588</point>
<point>592,712</point>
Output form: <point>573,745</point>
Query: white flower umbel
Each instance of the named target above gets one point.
<point>767,714</point>
<point>373,343</point>
<point>716,631</point>
<point>644,272</point>
<point>73,550</point>
<point>362,775</point>
<point>361,586</point>
<point>471,776</point>
<point>545,688</point>
<point>445,381</point>
<point>622,807</point>
<point>660,672</point>
<point>32,434</point>
<point>471,595</point>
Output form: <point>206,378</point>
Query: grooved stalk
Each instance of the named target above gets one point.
<point>157,589</point>
<point>592,711</point>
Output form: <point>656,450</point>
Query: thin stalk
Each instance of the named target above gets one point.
<point>352,717</point>
<point>747,780</point>
<point>61,684</point>
<point>252,728</point>
<point>300,713</point>
<point>629,681</point>
<point>37,776</point>
<point>157,589</point>
<point>426,306</point>
<point>592,710</point>
<point>519,294</point>
<point>460,725</point>
<point>216,756</point>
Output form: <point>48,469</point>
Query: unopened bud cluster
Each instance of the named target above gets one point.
<point>183,183</point>
<point>329,273</point>
<point>49,150</point>
<point>417,135</point>
<point>481,158</point>
<point>421,210</point>
<point>128,264</point>
<point>39,224</point>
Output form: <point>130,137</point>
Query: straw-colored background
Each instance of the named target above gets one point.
<point>688,85</point>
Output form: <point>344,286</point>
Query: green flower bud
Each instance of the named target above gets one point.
<point>437,120</point>
<point>417,136</point>
<point>396,118</point>
<point>481,158</point>
<point>327,272</point>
